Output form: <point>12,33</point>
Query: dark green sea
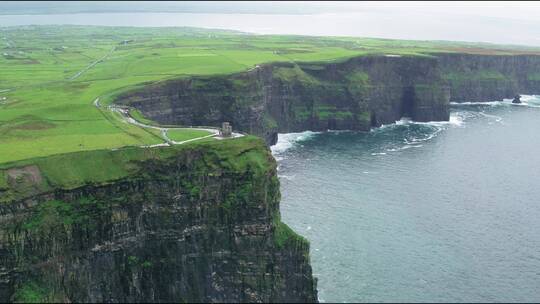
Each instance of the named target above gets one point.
<point>413,212</point>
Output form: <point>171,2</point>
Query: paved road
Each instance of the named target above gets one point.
<point>92,65</point>
<point>124,112</point>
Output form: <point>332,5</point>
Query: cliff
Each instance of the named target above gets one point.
<point>355,94</point>
<point>190,223</point>
<point>490,77</point>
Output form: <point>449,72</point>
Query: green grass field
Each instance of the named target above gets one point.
<point>186,134</point>
<point>51,75</point>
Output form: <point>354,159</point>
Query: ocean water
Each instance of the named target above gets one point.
<point>442,211</point>
<point>451,22</point>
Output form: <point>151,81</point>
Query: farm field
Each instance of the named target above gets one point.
<point>50,76</point>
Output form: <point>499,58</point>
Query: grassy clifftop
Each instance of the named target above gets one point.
<point>51,75</point>
<point>72,170</point>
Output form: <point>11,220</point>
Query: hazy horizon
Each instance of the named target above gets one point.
<point>491,22</point>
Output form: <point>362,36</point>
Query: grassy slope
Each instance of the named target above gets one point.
<point>72,170</point>
<point>47,113</point>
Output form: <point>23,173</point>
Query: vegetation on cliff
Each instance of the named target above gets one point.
<point>156,224</point>
<point>353,94</point>
<point>88,215</point>
<point>72,170</point>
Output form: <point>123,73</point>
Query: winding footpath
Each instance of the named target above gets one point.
<point>124,112</point>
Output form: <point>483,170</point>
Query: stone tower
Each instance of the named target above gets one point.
<point>226,130</point>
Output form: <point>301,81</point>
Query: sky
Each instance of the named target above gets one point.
<point>503,22</point>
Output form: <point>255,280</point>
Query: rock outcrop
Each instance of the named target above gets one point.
<point>197,223</point>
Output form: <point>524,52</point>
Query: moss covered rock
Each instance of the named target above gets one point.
<point>193,223</point>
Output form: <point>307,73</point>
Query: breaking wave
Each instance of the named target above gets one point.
<point>411,134</point>
<point>406,134</point>
<point>288,140</point>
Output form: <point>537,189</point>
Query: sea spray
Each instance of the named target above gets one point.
<point>288,140</point>
<point>413,133</point>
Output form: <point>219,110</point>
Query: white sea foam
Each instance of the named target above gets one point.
<point>532,101</point>
<point>415,140</point>
<point>288,140</point>
<point>403,148</point>
<point>495,117</point>
<point>530,98</point>
<point>378,153</point>
<point>456,119</point>
<point>287,177</point>
<point>479,103</point>
<point>403,121</point>
<point>339,131</point>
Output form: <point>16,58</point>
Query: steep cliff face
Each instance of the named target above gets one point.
<point>283,97</point>
<point>355,94</point>
<point>180,224</point>
<point>490,77</point>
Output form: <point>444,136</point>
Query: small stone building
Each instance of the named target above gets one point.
<point>226,130</point>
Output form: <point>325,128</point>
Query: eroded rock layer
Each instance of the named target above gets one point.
<point>474,78</point>
<point>193,224</point>
<point>283,97</point>
<point>355,94</point>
